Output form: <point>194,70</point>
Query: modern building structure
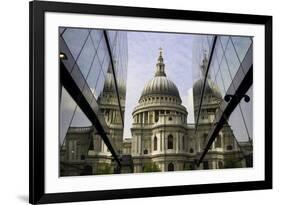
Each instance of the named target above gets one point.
<point>93,66</point>
<point>227,68</point>
<point>161,140</point>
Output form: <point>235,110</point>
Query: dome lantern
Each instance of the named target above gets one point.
<point>160,66</point>
<point>160,84</point>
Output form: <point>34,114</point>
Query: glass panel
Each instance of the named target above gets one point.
<point>242,45</point>
<point>102,49</point>
<point>105,64</point>
<point>224,41</point>
<point>225,74</point>
<point>214,67</point>
<point>218,52</point>
<point>99,85</point>
<point>86,57</point>
<point>67,108</point>
<point>111,36</point>
<point>94,74</point>
<point>96,37</point>
<point>80,119</point>
<point>61,30</point>
<point>75,39</point>
<point>220,83</point>
<point>232,60</point>
<point>237,125</point>
<point>78,77</point>
<point>210,40</point>
<point>247,110</point>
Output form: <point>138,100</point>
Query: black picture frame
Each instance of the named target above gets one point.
<point>37,11</point>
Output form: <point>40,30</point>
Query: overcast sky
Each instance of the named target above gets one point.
<point>143,53</point>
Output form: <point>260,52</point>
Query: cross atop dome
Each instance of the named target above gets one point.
<point>160,66</point>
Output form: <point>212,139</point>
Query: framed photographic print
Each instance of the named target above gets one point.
<point>139,102</point>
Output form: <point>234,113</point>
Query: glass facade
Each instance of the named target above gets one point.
<point>93,68</point>
<point>221,67</point>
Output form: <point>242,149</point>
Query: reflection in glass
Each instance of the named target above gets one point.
<point>83,151</point>
<point>94,75</point>
<point>232,60</point>
<point>236,135</point>
<point>241,45</point>
<point>86,57</point>
<point>75,39</point>
<point>225,74</point>
<point>96,37</point>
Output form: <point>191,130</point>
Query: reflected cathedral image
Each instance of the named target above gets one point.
<point>104,129</point>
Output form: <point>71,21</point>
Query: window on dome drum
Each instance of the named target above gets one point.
<point>150,118</point>
<point>170,142</point>
<point>229,147</point>
<point>155,143</point>
<point>171,167</point>
<point>156,115</point>
<point>218,141</point>
<point>145,151</point>
<point>191,150</point>
<point>170,118</point>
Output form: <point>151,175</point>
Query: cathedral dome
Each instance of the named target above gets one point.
<point>210,89</point>
<point>109,85</point>
<point>160,84</point>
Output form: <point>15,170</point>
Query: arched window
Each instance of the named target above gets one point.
<point>191,150</point>
<point>170,142</point>
<point>170,167</point>
<point>145,151</point>
<point>155,143</point>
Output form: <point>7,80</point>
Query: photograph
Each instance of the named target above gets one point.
<point>137,102</point>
